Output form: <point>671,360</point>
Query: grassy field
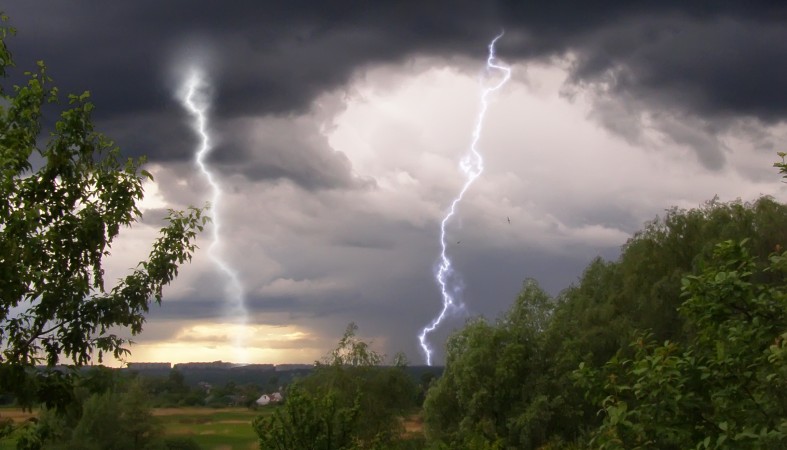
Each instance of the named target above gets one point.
<point>212,429</point>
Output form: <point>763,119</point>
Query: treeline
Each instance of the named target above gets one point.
<point>677,344</point>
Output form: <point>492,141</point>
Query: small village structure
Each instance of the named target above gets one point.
<point>266,399</point>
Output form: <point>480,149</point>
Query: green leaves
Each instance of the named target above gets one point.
<point>309,422</point>
<point>781,165</point>
<point>58,222</point>
<point>349,402</point>
<point>488,394</point>
<point>723,387</point>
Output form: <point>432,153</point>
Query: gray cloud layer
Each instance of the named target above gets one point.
<point>724,60</point>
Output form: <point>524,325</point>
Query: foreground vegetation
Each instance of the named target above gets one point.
<point>680,343</point>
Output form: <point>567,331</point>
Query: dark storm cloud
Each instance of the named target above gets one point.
<point>722,66</point>
<point>269,58</point>
<point>724,60</point>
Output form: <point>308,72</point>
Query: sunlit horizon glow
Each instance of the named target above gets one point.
<point>472,165</point>
<point>207,342</point>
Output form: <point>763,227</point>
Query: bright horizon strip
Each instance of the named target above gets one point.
<point>195,102</point>
<point>472,165</point>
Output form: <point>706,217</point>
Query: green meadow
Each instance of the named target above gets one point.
<point>211,428</point>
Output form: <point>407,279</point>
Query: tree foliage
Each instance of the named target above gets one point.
<point>614,303</point>
<point>781,165</point>
<point>106,412</point>
<point>724,387</point>
<point>62,204</point>
<point>488,396</point>
<point>309,422</point>
<point>349,401</point>
<point>516,387</point>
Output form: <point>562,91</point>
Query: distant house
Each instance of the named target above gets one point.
<point>266,399</point>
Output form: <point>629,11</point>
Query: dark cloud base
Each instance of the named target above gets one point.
<point>720,59</point>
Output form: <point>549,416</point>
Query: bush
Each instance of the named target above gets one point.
<point>181,443</point>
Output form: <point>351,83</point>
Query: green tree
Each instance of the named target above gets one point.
<point>62,204</point>
<point>349,401</point>
<point>614,302</point>
<point>488,396</point>
<point>725,386</point>
<point>110,420</point>
<point>309,422</point>
<point>115,421</point>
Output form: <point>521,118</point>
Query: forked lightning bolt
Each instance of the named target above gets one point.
<point>471,165</point>
<point>196,103</point>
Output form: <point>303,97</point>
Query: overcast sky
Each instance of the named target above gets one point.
<point>339,130</point>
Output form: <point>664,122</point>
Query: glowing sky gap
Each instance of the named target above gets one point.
<point>195,102</point>
<point>471,165</point>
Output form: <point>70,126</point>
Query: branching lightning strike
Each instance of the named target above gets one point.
<point>195,102</point>
<point>471,165</point>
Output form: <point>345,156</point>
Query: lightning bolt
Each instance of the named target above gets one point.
<point>472,165</point>
<point>195,101</point>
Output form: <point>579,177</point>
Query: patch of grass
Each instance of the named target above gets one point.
<point>213,429</point>
<point>220,428</point>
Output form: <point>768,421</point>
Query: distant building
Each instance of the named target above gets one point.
<point>204,365</point>
<point>266,399</point>
<point>150,366</point>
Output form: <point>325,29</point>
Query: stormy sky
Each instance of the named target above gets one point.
<point>338,128</point>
